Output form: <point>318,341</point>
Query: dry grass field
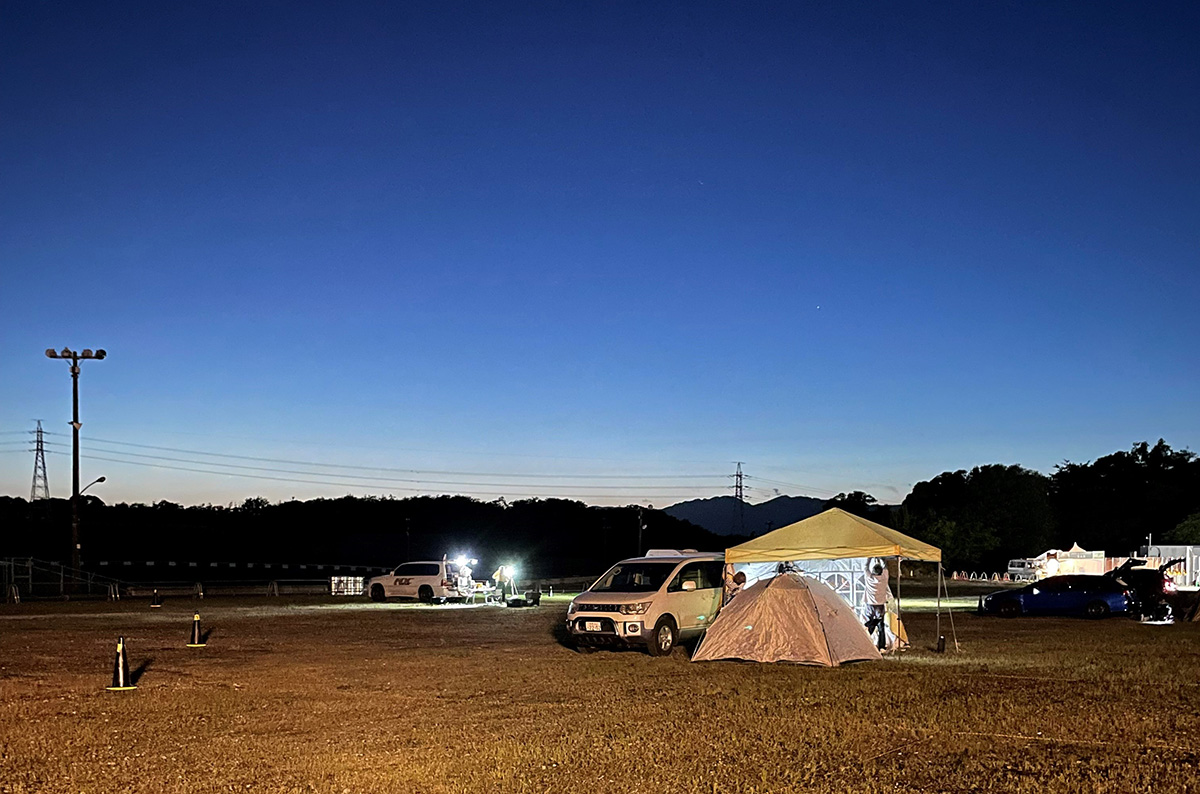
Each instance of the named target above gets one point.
<point>348,697</point>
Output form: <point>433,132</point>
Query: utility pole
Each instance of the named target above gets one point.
<point>641,529</point>
<point>74,358</point>
<point>41,486</point>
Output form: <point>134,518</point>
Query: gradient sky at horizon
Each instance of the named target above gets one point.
<point>852,245</point>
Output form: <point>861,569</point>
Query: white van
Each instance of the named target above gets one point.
<point>655,601</point>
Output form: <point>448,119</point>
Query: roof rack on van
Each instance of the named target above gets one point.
<point>670,552</point>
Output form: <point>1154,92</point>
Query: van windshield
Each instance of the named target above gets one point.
<point>634,577</point>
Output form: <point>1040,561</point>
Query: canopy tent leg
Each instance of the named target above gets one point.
<point>942,586</point>
<point>937,586</point>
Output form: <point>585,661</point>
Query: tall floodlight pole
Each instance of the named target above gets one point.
<point>70,355</point>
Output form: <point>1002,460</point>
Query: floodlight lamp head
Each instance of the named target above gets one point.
<point>51,353</point>
<point>101,353</point>
<point>87,353</point>
<point>66,353</point>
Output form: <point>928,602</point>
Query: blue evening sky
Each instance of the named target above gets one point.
<point>594,249</point>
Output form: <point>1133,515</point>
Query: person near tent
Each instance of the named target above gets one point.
<point>503,579</point>
<point>465,583</point>
<point>736,584</point>
<point>727,574</point>
<point>877,599</point>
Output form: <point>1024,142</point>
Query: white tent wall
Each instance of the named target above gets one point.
<point>847,577</point>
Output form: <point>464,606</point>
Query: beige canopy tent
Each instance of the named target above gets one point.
<point>832,535</point>
<point>789,618</point>
<point>834,546</point>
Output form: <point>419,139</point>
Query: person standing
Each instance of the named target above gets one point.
<point>877,596</point>
<point>504,582</point>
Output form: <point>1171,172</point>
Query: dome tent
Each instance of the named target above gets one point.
<point>788,618</point>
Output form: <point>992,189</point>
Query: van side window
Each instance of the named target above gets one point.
<point>714,574</point>
<point>706,576</point>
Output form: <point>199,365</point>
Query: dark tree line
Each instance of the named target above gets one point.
<point>979,518</point>
<point>983,517</point>
<point>543,537</point>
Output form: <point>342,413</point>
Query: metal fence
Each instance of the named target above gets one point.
<point>27,577</point>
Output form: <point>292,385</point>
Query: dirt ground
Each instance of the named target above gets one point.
<point>348,696</point>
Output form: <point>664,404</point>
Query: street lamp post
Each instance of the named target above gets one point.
<point>75,358</point>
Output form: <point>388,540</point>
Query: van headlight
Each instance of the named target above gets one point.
<point>572,608</point>
<point>634,609</point>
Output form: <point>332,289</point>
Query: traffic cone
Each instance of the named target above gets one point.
<point>155,600</point>
<point>196,641</point>
<point>121,681</point>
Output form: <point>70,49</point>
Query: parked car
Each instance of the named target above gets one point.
<point>1149,586</point>
<point>1022,569</point>
<point>1078,594</point>
<point>653,602</point>
<point>428,581</point>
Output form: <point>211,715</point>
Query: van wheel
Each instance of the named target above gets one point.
<point>425,594</point>
<point>665,635</point>
<point>1097,609</point>
<point>377,592</point>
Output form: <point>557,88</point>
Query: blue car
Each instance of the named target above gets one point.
<point>1080,594</point>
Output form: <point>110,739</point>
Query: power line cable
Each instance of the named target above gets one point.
<point>411,480</point>
<point>442,450</point>
<point>364,486</point>
<point>555,475</point>
<point>810,488</point>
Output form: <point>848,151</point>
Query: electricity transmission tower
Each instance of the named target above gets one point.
<point>41,486</point>
<point>739,493</point>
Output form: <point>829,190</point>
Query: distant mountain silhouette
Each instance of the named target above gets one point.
<point>719,514</point>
